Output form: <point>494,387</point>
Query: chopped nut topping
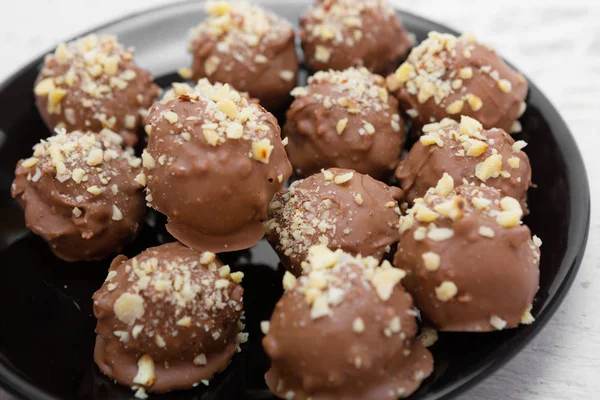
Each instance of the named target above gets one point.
<point>261,150</point>
<point>445,185</point>
<point>486,231</point>
<point>490,168</point>
<point>117,215</point>
<point>431,261</point>
<point>145,375</point>
<point>385,279</point>
<point>424,214</point>
<point>440,234</point>
<point>497,322</point>
<point>320,257</point>
<point>453,209</point>
<point>344,178</point>
<point>518,146</point>
<point>537,241</point>
<point>505,85</point>
<point>455,107</point>
<point>289,281</point>
<point>129,307</point>
<point>446,291</point>
<point>30,162</point>
<point>428,336</point>
<point>527,318</point>
<point>358,325</point>
<point>341,125</point>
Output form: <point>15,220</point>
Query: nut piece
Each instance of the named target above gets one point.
<point>145,375</point>
<point>428,336</point>
<point>320,257</point>
<point>455,107</point>
<point>341,125</point>
<point>341,179</point>
<point>470,127</point>
<point>445,185</point>
<point>289,281</point>
<point>453,208</point>
<point>385,279</point>
<point>265,326</point>
<point>261,150</point>
<point>129,307</point>
<point>431,261</point>
<point>446,291</point>
<point>358,325</point>
<point>490,168</point>
<point>497,322</point>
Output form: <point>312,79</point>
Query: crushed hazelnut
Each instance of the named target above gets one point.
<point>145,375</point>
<point>446,291</point>
<point>431,261</point>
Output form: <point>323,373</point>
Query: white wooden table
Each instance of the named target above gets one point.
<point>556,43</point>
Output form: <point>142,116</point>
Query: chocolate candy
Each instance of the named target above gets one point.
<point>82,192</point>
<point>213,162</point>
<point>168,319</point>
<point>338,34</point>
<point>339,208</point>
<point>248,47</point>
<point>92,83</point>
<point>470,264</point>
<point>344,119</point>
<point>345,331</point>
<point>446,77</point>
<point>468,153</point>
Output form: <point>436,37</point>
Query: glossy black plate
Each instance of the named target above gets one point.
<point>46,322</point>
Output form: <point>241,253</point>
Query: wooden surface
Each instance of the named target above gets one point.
<point>556,43</point>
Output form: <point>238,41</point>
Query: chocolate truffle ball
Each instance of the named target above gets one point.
<point>338,34</point>
<point>82,192</point>
<point>213,163</point>
<point>168,319</point>
<point>248,47</point>
<point>468,153</point>
<point>344,119</point>
<point>339,208</point>
<point>345,331</point>
<point>92,83</point>
<point>446,77</point>
<point>471,265</point>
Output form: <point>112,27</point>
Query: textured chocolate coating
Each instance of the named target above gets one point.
<point>359,216</point>
<point>338,34</point>
<point>464,151</point>
<point>346,331</point>
<point>446,77</point>
<point>344,119</point>
<point>93,83</point>
<point>470,264</point>
<point>81,193</point>
<point>176,308</point>
<point>213,163</point>
<point>248,47</point>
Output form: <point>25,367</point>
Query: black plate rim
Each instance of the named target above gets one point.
<point>16,385</point>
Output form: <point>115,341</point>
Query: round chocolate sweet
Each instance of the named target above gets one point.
<point>82,192</point>
<point>339,208</point>
<point>468,153</point>
<point>471,265</point>
<point>168,319</point>
<point>248,47</point>
<point>345,331</point>
<point>92,83</point>
<point>446,77</point>
<point>338,34</point>
<point>213,163</point>
<point>344,119</point>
